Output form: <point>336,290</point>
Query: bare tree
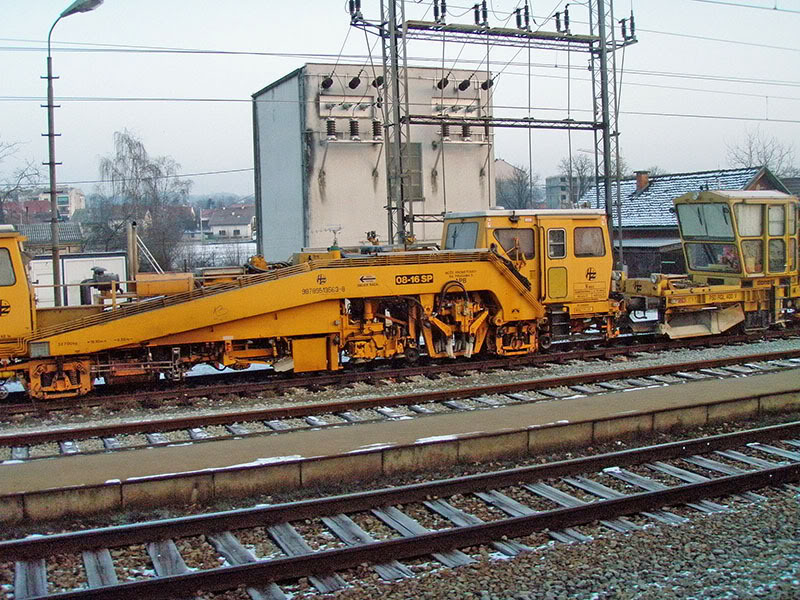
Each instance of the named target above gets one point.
<point>655,171</point>
<point>518,191</point>
<point>19,180</point>
<point>758,150</point>
<point>149,191</point>
<point>580,172</point>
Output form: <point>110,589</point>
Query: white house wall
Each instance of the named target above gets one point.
<point>344,182</point>
<point>279,170</point>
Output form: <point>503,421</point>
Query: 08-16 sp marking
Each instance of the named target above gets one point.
<point>413,279</point>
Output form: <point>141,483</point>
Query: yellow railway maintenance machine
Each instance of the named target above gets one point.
<point>741,256</point>
<point>504,282</point>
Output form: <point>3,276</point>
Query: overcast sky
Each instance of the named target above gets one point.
<point>695,59</point>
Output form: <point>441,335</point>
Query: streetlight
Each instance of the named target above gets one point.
<point>78,6</point>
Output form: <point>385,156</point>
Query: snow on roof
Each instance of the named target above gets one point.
<point>652,206</point>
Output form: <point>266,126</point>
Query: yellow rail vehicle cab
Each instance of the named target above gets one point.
<point>563,255</point>
<point>741,255</point>
<point>505,283</point>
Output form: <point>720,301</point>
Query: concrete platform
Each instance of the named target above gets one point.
<point>200,472</point>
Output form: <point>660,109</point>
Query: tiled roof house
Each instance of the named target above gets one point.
<point>70,237</point>
<point>651,242</point>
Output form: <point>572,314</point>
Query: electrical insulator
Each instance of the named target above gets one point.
<point>527,13</point>
<point>485,11</point>
<point>330,129</point>
<point>477,9</point>
<point>623,23</point>
<point>378,81</point>
<point>566,19</point>
<point>354,132</point>
<point>558,22</point>
<point>487,84</point>
<point>518,14</point>
<point>377,130</point>
<point>354,82</point>
<point>444,10</point>
<point>327,82</point>
<point>436,10</point>
<point>463,85</point>
<point>466,134</point>
<point>352,8</point>
<point>633,27</point>
<point>443,83</point>
<point>445,132</point>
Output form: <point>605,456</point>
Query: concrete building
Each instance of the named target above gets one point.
<point>557,190</point>
<point>69,200</point>
<point>320,156</point>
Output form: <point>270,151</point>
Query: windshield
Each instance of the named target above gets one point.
<point>705,221</point>
<point>461,236</point>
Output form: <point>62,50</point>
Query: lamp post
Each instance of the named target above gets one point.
<point>76,7</point>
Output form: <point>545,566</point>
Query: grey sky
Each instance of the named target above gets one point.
<point>706,78</point>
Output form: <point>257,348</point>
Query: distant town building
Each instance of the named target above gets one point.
<point>235,222</point>
<point>69,200</point>
<point>320,155</point>
<point>650,239</point>
<point>35,207</point>
<point>557,191</point>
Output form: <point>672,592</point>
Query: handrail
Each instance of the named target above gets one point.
<point>150,304</point>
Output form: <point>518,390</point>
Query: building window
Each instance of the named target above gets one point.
<point>223,233</point>
<point>412,165</point>
<point>237,232</point>
<point>6,270</point>
<point>556,243</point>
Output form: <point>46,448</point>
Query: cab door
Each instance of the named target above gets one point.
<point>16,316</point>
<point>555,251</point>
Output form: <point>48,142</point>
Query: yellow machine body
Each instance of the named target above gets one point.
<point>741,254</point>
<point>505,282</point>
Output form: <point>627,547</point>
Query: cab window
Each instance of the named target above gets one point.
<point>749,218</point>
<point>556,243</point>
<point>6,270</point>
<point>753,253</point>
<point>705,221</point>
<point>461,236</point>
<point>777,220</point>
<point>713,257</point>
<point>777,256</point>
<point>588,241</point>
<point>513,240</point>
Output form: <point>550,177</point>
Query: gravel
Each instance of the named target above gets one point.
<point>750,552</point>
<point>293,396</point>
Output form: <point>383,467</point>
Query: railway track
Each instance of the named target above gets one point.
<point>32,445</point>
<point>255,383</point>
<point>268,549</point>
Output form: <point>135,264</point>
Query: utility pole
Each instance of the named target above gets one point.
<point>395,30</point>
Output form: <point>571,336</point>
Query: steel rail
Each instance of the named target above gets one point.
<point>171,424</point>
<point>620,346</point>
<point>282,569</point>
<point>36,547</point>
